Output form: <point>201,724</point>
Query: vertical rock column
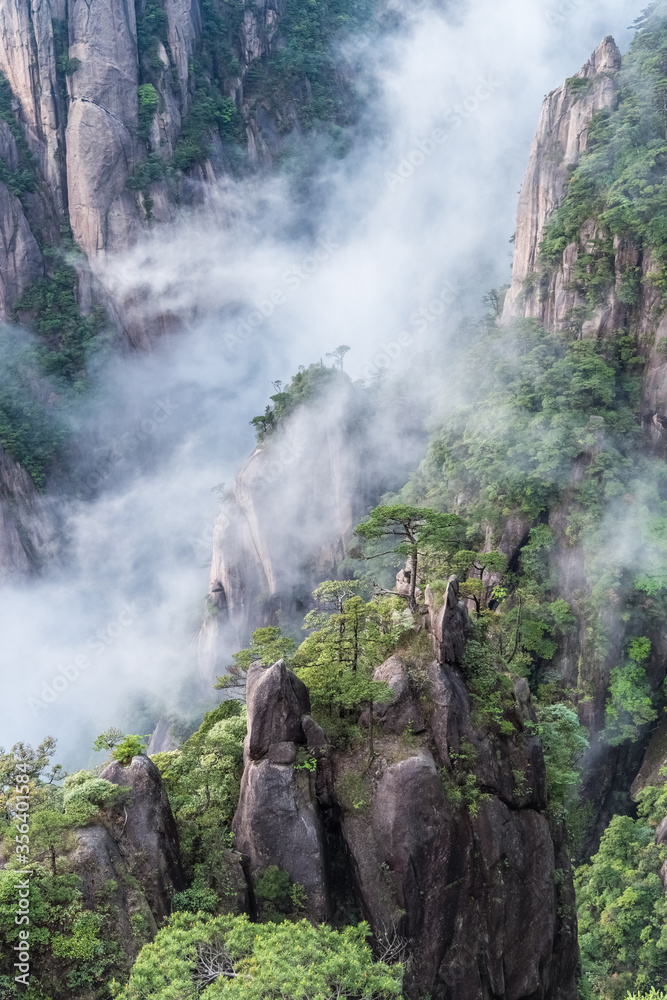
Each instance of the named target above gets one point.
<point>102,124</point>
<point>559,143</point>
<point>277,821</point>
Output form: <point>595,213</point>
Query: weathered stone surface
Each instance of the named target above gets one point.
<point>442,840</point>
<point>449,624</point>
<point>277,823</point>
<point>102,123</point>
<point>184,19</point>
<point>274,708</point>
<point>28,534</point>
<point>148,830</point>
<point>403,709</point>
<point>21,260</point>
<point>162,740</point>
<point>559,142</point>
<point>97,860</point>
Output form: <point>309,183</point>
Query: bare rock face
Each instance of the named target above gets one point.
<point>403,711</point>
<point>184,19</point>
<point>278,821</point>
<point>147,829</point>
<point>21,261</point>
<point>97,860</point>
<point>559,142</point>
<point>27,530</point>
<point>102,124</point>
<point>27,59</point>
<point>276,701</point>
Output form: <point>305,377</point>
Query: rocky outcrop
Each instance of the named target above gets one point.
<point>102,123</point>
<point>440,840</point>
<point>184,20</point>
<point>28,61</point>
<point>558,145</point>
<point>146,831</point>
<point>98,861</point>
<point>278,820</point>
<point>28,534</point>
<point>275,538</point>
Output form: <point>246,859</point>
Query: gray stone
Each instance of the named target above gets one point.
<point>274,711</point>
<point>148,829</point>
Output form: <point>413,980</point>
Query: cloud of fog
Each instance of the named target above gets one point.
<point>385,250</point>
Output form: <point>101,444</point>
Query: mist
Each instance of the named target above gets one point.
<point>383,250</point>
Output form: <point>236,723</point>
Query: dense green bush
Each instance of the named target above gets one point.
<point>258,962</point>
<point>622,912</point>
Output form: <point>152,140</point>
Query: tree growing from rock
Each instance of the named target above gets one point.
<point>412,531</point>
<point>350,638</point>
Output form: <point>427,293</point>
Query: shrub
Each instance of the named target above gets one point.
<point>295,961</point>
<point>148,105</point>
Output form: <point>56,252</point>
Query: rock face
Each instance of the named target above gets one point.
<point>559,142</point>
<point>278,820</point>
<point>147,831</point>
<point>441,841</point>
<point>28,534</point>
<point>98,860</point>
<point>102,123</point>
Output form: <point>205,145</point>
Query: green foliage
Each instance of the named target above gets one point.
<point>308,384</point>
<point>268,646</point>
<point>85,795</point>
<point>148,105</point>
<point>622,910</point>
<point>32,430</point>
<point>209,112</point>
<point>295,961</point>
<point>66,65</point>
<point>278,896</point>
<point>71,950</point>
<point>72,947</point>
<point>630,704</point>
<point>203,780</point>
<point>123,748</point>
<point>50,309</point>
<point>621,182</point>
<point>152,28</point>
<point>563,741</point>
<point>411,532</point>
<point>23,179</point>
<point>349,639</point>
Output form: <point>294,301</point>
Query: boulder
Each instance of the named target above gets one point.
<point>278,823</point>
<point>276,701</point>
<point>403,709</point>
<point>278,820</point>
<point>147,831</point>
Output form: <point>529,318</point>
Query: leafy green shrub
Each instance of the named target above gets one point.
<point>295,961</point>
<point>128,748</point>
<point>621,910</point>
<point>148,105</point>
<point>630,703</point>
<point>24,178</point>
<point>563,741</point>
<point>32,429</point>
<point>152,28</point>
<point>50,309</point>
<point>85,795</point>
<point>209,112</point>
